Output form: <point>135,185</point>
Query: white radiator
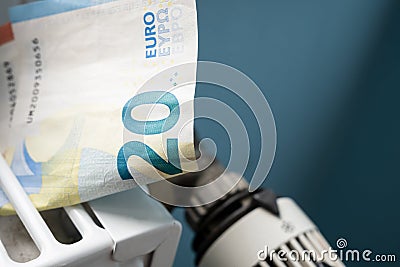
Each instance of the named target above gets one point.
<point>125,229</point>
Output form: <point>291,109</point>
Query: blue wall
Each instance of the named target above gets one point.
<point>331,73</point>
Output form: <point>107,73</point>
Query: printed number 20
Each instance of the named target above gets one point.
<point>137,148</point>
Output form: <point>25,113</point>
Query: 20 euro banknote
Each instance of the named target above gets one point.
<point>82,126</point>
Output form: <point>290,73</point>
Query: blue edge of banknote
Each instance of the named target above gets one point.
<point>48,7</point>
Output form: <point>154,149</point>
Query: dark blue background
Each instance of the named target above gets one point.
<point>331,73</point>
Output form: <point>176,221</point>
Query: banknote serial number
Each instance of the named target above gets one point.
<point>12,91</point>
<point>37,79</point>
